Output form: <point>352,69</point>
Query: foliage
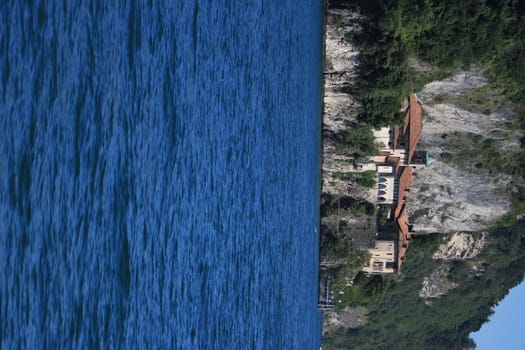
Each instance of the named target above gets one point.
<point>518,199</point>
<point>346,205</point>
<point>449,35</point>
<point>420,79</point>
<point>358,140</point>
<point>446,33</point>
<point>367,290</point>
<point>366,179</point>
<point>480,154</point>
<point>383,79</point>
<point>401,319</point>
<point>485,99</point>
<point>475,152</point>
<point>382,216</point>
<point>353,261</point>
<point>339,246</point>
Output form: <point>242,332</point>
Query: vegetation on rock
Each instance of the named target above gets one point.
<point>399,318</point>
<point>447,35</point>
<point>357,140</point>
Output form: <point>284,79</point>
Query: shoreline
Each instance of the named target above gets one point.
<point>321,150</point>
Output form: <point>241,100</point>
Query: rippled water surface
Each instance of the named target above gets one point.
<point>159,172</point>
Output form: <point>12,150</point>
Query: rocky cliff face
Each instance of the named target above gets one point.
<point>444,197</point>
<point>340,107</point>
<point>349,317</point>
<point>460,246</point>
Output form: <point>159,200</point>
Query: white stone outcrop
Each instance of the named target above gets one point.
<point>437,284</point>
<point>341,60</point>
<point>461,246</point>
<point>443,197</point>
<point>349,317</point>
<point>340,107</point>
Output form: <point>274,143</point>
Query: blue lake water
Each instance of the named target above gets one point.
<point>159,174</point>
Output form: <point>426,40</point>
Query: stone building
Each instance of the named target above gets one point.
<point>396,165</point>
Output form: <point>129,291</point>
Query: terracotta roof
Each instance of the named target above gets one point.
<point>404,184</point>
<point>402,251</point>
<point>402,222</point>
<point>394,161</point>
<point>414,130</point>
<point>402,242</point>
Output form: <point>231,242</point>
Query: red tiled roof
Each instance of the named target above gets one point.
<point>396,136</point>
<point>414,130</point>
<point>394,161</point>
<point>401,253</point>
<point>404,184</point>
<point>402,222</point>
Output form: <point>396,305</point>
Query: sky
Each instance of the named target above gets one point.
<point>506,327</point>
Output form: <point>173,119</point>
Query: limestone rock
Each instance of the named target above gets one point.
<point>349,317</point>
<point>461,246</point>
<point>340,107</point>
<point>341,60</point>
<point>437,284</point>
<point>443,197</point>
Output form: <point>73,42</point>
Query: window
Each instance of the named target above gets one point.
<point>378,266</point>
